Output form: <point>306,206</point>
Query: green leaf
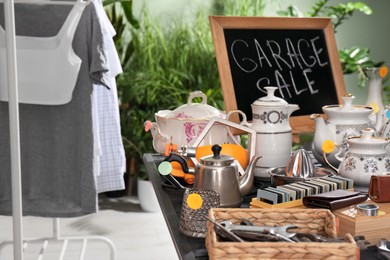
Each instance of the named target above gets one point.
<point>360,6</point>
<point>282,13</point>
<point>291,11</point>
<point>318,8</point>
<point>128,10</point>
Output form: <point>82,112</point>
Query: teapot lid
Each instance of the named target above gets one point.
<point>347,106</point>
<point>217,159</point>
<point>193,110</point>
<point>367,137</point>
<point>270,99</point>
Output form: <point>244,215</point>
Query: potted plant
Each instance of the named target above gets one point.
<point>353,59</point>
<point>166,64</point>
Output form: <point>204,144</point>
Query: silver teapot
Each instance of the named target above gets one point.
<point>220,173</point>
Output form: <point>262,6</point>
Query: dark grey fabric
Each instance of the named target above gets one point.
<point>56,141</point>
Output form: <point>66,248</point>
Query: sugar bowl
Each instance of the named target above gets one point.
<point>365,156</point>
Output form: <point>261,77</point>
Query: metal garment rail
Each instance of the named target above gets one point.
<point>64,240</point>
<point>13,106</point>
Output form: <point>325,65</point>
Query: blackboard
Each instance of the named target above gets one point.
<point>297,55</point>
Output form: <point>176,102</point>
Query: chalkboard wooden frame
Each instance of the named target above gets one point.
<point>220,23</point>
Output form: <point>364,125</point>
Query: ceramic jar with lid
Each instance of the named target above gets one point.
<point>341,122</point>
<point>270,120</point>
<point>366,156</point>
<point>184,124</point>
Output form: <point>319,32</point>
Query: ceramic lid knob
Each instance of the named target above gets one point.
<point>347,99</point>
<point>367,133</point>
<point>200,111</point>
<point>270,99</point>
<point>217,159</point>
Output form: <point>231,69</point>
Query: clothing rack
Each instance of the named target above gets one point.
<point>64,240</point>
<point>19,244</point>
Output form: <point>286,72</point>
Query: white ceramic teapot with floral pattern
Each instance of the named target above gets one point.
<point>366,156</point>
<point>183,125</point>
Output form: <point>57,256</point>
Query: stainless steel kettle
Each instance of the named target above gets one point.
<point>220,173</point>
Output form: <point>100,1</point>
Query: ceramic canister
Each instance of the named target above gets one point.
<point>270,119</point>
<point>365,157</point>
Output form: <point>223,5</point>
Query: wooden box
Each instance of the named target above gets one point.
<point>318,221</point>
<point>373,228</point>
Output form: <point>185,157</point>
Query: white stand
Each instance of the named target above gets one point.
<point>13,106</point>
<point>57,238</point>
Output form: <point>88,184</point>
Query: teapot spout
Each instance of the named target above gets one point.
<point>153,128</point>
<point>159,139</point>
<point>246,181</point>
<point>321,133</point>
<point>379,123</point>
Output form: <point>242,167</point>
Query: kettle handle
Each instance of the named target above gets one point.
<point>244,122</point>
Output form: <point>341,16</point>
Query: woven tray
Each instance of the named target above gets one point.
<point>318,221</point>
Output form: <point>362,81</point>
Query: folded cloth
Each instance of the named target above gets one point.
<point>333,200</point>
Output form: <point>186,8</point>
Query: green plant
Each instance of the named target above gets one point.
<point>240,8</point>
<point>120,13</point>
<point>353,59</point>
<point>162,65</point>
<point>165,65</point>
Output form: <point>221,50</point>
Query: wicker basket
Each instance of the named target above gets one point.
<point>318,221</point>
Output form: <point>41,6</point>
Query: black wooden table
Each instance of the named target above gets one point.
<point>170,200</point>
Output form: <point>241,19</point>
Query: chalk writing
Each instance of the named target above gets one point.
<point>302,54</point>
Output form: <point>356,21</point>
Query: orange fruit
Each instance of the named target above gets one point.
<point>236,151</point>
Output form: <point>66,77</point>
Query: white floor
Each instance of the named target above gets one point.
<point>136,235</point>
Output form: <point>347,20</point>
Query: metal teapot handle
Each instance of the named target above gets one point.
<point>216,120</point>
<point>244,122</point>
